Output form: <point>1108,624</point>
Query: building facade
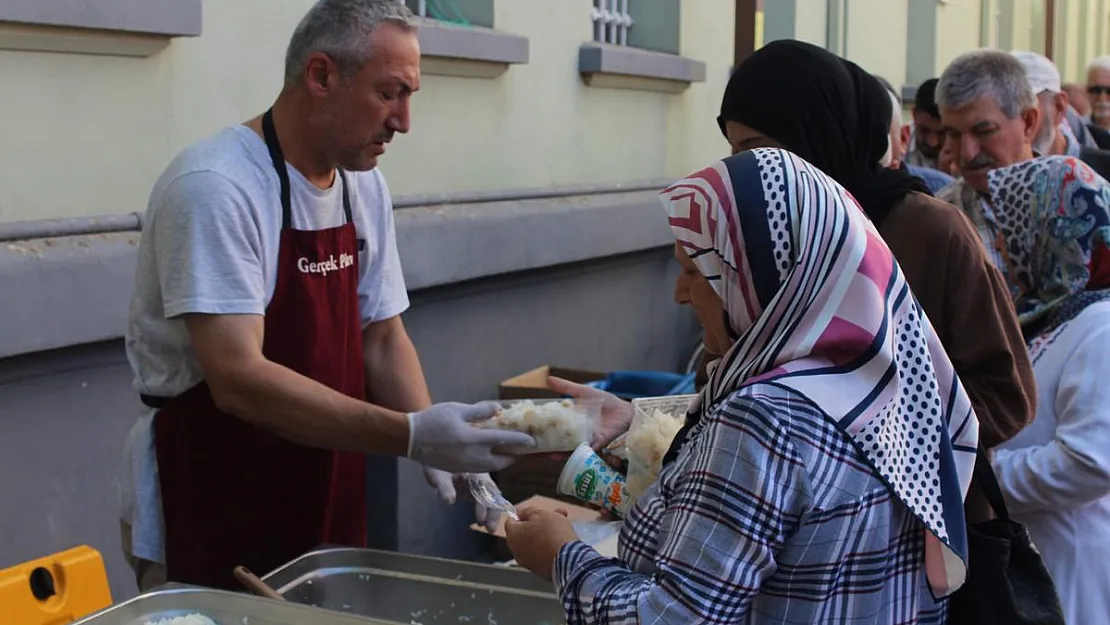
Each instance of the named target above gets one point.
<point>525,193</point>
<point>910,41</point>
<point>526,213</point>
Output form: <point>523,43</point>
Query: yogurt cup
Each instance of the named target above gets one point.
<point>587,477</point>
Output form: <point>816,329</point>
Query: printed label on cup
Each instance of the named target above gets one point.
<point>587,477</point>
<point>584,485</point>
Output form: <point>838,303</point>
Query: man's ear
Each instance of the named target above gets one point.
<point>907,133</point>
<point>320,73</point>
<point>1031,117</point>
<point>1062,101</point>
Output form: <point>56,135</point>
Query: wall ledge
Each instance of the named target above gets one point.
<point>474,241</point>
<point>468,51</point>
<point>135,28</point>
<point>79,41</point>
<point>168,18</point>
<point>75,290</point>
<point>623,67</point>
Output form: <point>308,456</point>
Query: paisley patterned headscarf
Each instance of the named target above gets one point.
<point>820,306</point>
<point>1053,216</point>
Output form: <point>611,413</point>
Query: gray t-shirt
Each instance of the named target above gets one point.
<point>210,245</point>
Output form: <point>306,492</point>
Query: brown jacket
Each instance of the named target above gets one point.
<point>968,303</point>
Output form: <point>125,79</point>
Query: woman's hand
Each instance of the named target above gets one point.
<point>537,537</point>
<point>616,413</point>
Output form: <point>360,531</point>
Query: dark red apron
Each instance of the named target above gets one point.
<point>234,494</point>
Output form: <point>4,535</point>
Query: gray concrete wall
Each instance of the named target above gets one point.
<point>498,288</point>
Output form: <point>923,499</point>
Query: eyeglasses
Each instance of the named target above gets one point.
<point>1097,90</point>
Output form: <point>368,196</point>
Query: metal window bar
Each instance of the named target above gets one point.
<point>611,21</point>
<point>442,10</point>
<point>421,9</point>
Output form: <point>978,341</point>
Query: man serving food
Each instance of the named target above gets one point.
<point>265,332</point>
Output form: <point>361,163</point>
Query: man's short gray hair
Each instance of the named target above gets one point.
<point>340,29</point>
<point>986,73</point>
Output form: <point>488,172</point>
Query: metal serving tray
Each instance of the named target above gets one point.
<point>415,589</point>
<point>224,608</point>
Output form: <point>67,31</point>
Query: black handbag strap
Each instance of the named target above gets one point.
<point>988,484</point>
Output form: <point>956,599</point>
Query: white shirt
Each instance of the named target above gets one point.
<point>210,245</point>
<point>1055,474</point>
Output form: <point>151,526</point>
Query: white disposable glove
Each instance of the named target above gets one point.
<point>449,486</point>
<point>442,437</point>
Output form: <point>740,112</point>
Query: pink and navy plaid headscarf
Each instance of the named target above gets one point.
<point>820,306</point>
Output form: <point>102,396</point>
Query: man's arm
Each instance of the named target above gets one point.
<point>1073,469</point>
<point>394,378</point>
<point>247,385</point>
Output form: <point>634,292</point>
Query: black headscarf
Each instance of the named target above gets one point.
<point>826,110</point>
<point>926,98</point>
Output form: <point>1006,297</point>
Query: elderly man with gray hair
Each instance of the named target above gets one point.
<point>990,119</point>
<point>1057,134</point>
<point>1098,91</point>
<point>265,333</point>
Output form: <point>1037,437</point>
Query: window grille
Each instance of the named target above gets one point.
<point>611,21</point>
<point>442,10</point>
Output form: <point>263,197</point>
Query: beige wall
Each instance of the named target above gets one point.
<point>873,41</point>
<point>810,20</point>
<point>1028,24</point>
<point>1069,17</point>
<point>87,135</point>
<point>1082,31</point>
<point>693,138</point>
<point>1081,35</point>
<point>959,24</point>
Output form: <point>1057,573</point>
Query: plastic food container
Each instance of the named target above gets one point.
<point>588,478</point>
<point>655,423</point>
<point>556,424</point>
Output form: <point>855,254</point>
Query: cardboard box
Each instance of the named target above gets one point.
<point>533,384</point>
<point>537,475</point>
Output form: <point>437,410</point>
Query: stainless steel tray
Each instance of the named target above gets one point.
<point>415,589</point>
<point>224,608</point>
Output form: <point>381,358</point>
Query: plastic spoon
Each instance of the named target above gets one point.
<point>485,492</point>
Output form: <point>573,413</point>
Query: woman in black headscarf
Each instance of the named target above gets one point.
<point>823,108</point>
<point>830,112</point>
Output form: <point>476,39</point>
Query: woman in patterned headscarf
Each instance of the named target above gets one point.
<point>1055,474</point>
<point>821,472</point>
<point>837,116</point>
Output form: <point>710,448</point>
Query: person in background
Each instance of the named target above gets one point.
<point>991,118</point>
<point>1098,91</point>
<point>899,138</point>
<point>806,485</point>
<point>1088,134</point>
<point>836,116</point>
<point>928,137</point>
<point>264,331</point>
<point>1055,136</point>
<point>1079,118</point>
<point>1055,474</point>
<point>1077,96</point>
<point>946,161</point>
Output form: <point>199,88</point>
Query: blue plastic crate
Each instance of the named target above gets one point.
<point>634,384</point>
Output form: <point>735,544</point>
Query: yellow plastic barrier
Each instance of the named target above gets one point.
<point>54,590</point>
